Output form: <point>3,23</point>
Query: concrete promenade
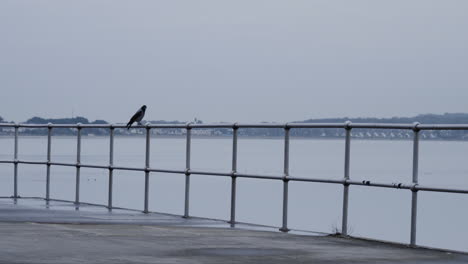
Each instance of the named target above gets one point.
<point>32,232</point>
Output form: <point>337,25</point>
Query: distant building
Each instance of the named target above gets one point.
<point>202,132</point>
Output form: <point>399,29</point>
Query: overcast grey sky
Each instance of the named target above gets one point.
<point>233,60</point>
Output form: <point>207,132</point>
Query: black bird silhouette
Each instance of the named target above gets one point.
<point>137,117</point>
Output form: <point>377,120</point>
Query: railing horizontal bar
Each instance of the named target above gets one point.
<point>255,125</point>
<point>94,166</point>
<point>381,126</point>
<point>63,164</point>
<point>261,176</point>
<point>168,171</point>
<point>436,189</point>
<point>380,184</point>
<point>314,125</point>
<point>128,168</point>
<point>33,162</point>
<point>211,173</point>
<point>255,176</point>
<point>302,179</point>
<point>157,126</point>
<point>261,125</point>
<point>443,127</point>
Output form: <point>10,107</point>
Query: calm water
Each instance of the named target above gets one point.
<point>374,212</point>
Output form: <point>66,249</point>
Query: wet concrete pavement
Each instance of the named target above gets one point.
<point>35,233</point>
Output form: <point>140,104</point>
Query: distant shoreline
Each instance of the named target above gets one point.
<point>240,137</point>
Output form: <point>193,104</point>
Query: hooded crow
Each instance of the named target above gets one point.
<point>137,117</point>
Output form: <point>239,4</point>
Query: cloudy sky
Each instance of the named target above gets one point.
<point>232,60</point>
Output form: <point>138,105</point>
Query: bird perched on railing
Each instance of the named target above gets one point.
<point>137,117</point>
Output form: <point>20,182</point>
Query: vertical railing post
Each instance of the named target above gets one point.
<point>344,224</point>
<point>147,166</point>
<point>78,164</point>
<point>187,171</point>
<point>111,169</point>
<point>15,157</point>
<point>49,149</point>
<point>284,227</point>
<point>414,191</point>
<point>233,175</point>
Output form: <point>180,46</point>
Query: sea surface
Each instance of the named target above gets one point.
<point>376,213</point>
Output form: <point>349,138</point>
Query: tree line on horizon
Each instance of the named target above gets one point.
<point>447,118</point>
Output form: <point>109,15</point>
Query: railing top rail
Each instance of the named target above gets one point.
<point>443,127</point>
<point>256,125</point>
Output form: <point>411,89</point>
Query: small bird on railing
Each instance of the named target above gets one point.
<point>137,117</point>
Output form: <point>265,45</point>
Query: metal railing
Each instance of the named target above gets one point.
<point>414,186</point>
